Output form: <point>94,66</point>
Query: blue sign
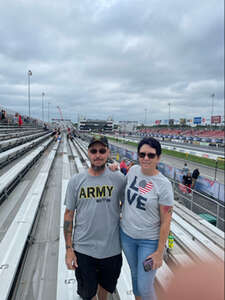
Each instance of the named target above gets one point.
<point>197,120</point>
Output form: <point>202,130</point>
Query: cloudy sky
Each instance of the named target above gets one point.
<point>122,58</point>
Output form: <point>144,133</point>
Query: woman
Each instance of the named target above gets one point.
<point>146,216</point>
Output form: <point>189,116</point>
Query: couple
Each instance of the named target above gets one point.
<point>94,251</point>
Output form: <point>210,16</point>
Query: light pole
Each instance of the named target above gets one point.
<point>213,95</point>
<point>43,94</point>
<point>216,170</point>
<point>169,113</point>
<point>29,74</point>
<point>48,111</point>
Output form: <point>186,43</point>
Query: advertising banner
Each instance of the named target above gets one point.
<point>197,120</point>
<point>207,186</point>
<point>169,171</point>
<point>215,119</point>
<point>221,192</point>
<point>157,122</point>
<point>182,121</point>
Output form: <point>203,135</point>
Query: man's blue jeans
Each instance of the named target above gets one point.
<point>136,251</point>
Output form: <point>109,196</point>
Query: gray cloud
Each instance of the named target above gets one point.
<point>113,58</point>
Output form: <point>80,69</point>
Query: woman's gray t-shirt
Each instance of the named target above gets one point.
<point>96,202</point>
<point>143,195</point>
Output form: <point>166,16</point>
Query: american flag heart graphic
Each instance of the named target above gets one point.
<point>145,187</point>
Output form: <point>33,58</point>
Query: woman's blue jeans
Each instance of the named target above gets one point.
<point>136,251</point>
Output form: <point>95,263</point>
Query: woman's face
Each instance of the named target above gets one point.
<point>144,160</point>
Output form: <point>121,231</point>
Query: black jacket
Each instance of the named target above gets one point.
<point>195,174</point>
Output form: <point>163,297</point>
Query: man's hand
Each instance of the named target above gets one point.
<point>71,259</point>
<point>113,167</point>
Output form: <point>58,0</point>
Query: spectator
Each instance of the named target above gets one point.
<point>195,176</point>
<point>15,118</point>
<point>123,167</point>
<point>69,133</point>
<point>187,181</point>
<point>3,115</point>
<point>20,121</point>
<point>185,169</point>
<point>45,127</point>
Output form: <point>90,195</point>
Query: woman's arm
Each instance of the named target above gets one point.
<point>165,220</point>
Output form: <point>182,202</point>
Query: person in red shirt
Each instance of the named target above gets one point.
<point>20,122</point>
<point>123,167</point>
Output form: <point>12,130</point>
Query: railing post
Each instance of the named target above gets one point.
<point>192,193</point>
<point>217,214</point>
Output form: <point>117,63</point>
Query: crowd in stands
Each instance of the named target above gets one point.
<point>9,117</point>
<point>189,178</point>
<point>184,132</point>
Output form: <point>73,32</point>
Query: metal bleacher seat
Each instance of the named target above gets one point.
<point>78,163</point>
<point>15,151</point>
<point>17,141</point>
<point>9,177</point>
<point>13,243</point>
<point>66,282</point>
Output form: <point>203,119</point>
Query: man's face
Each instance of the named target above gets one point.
<point>98,155</point>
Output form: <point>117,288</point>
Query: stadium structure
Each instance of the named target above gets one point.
<point>87,125</point>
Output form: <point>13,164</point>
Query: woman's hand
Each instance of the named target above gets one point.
<point>157,260</point>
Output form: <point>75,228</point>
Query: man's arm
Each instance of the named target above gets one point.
<point>71,260</point>
<point>165,219</point>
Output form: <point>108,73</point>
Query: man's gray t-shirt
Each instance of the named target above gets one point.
<point>96,200</point>
<point>143,195</point>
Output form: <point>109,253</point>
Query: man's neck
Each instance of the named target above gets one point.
<point>94,172</point>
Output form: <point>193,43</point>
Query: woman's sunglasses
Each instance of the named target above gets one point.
<point>101,151</point>
<point>150,155</point>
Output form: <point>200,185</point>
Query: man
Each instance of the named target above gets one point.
<point>94,252</point>
<point>195,176</point>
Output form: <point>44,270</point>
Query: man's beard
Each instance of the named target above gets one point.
<point>98,168</point>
